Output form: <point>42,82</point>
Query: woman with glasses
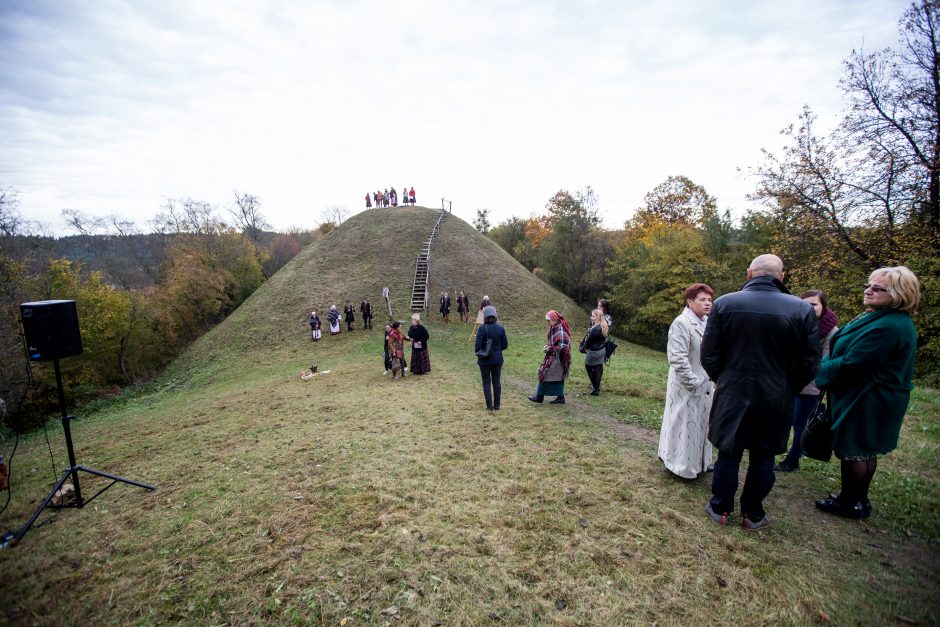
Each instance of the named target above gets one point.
<point>869,376</point>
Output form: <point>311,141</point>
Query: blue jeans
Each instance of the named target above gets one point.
<point>490,376</point>
<point>757,483</point>
<point>803,407</point>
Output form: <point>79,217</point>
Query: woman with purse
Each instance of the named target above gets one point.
<point>556,362</point>
<point>594,347</point>
<point>418,336</point>
<point>868,377</point>
<point>683,439</point>
<point>490,343</point>
<point>807,400</point>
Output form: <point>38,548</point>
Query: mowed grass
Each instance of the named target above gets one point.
<point>356,497</point>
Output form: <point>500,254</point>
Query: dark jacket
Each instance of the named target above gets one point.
<point>596,340</point>
<point>418,333</point>
<point>497,333</point>
<point>761,346</point>
<point>869,376</point>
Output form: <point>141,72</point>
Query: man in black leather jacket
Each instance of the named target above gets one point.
<point>761,346</point>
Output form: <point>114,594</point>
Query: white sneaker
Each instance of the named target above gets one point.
<point>385,373</point>
<point>406,369</point>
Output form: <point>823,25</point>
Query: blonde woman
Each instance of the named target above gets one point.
<point>595,344</point>
<point>868,376</point>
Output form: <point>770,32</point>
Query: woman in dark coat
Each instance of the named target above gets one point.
<point>868,376</point>
<point>445,306</point>
<point>366,308</point>
<point>350,312</point>
<point>492,365</point>
<point>463,307</point>
<point>557,360</point>
<point>595,349</point>
<point>418,336</point>
<point>314,326</point>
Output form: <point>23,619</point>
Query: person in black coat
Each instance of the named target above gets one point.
<point>350,312</point>
<point>366,308</point>
<point>761,346</point>
<point>492,364</point>
<point>418,336</point>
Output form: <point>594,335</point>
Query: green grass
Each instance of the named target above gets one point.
<point>290,502</point>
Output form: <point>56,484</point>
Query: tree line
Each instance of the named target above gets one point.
<point>834,206</point>
<point>142,297</point>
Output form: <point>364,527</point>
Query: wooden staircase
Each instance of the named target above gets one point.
<point>419,293</point>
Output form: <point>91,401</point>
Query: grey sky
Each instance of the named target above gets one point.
<point>112,106</point>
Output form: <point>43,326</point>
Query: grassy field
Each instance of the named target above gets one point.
<point>356,499</point>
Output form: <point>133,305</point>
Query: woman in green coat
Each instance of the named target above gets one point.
<point>869,376</point>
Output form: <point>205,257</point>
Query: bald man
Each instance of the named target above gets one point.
<point>761,346</point>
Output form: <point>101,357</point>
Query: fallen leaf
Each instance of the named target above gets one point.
<point>391,610</point>
<point>721,582</point>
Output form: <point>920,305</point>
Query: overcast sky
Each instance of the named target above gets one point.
<point>113,106</point>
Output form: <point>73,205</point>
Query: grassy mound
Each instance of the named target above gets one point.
<point>355,499</point>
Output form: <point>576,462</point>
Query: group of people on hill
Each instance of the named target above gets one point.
<point>463,306</point>
<point>389,197</point>
<point>747,367</point>
<point>333,319</point>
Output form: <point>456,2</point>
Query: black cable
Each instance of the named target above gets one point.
<point>10,476</point>
<point>49,444</point>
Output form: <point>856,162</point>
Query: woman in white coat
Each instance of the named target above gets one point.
<point>683,443</point>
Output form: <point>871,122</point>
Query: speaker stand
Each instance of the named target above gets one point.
<point>72,470</point>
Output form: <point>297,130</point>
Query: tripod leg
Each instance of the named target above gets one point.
<point>29,523</point>
<point>108,475</point>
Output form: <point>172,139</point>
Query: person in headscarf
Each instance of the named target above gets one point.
<point>557,360</point>
<point>396,347</point>
<point>314,326</point>
<point>333,319</point>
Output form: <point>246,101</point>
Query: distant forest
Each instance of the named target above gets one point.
<point>142,297</point>
<point>835,207</point>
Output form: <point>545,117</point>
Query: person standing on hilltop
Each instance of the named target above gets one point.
<point>333,319</point>
<point>385,198</point>
<point>350,313</point>
<point>557,360</point>
<point>368,201</point>
<point>412,195</point>
<point>491,362</point>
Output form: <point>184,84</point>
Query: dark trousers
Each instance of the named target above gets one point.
<point>490,376</point>
<point>757,483</point>
<point>594,375</point>
<point>803,407</point>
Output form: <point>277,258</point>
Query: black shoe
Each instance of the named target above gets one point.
<point>536,398</point>
<point>832,505</point>
<point>558,401</point>
<point>866,508</point>
<point>786,466</point>
<point>595,392</point>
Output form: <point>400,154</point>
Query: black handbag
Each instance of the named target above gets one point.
<point>582,347</point>
<point>484,352</point>
<point>817,436</point>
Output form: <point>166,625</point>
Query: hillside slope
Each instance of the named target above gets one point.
<point>371,250</point>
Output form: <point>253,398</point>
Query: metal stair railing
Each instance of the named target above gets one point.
<point>419,291</point>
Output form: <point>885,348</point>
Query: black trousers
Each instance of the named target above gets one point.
<point>490,376</point>
<point>757,483</point>
<point>594,374</point>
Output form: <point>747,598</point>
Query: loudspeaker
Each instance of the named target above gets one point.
<point>51,329</point>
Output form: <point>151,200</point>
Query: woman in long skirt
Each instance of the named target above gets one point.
<point>333,319</point>
<point>418,336</point>
<point>557,360</point>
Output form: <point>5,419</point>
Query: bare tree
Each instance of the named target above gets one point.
<point>248,217</point>
<point>334,214</point>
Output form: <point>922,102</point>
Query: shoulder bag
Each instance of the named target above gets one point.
<point>817,436</point>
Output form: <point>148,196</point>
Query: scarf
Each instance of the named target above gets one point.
<point>827,323</point>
